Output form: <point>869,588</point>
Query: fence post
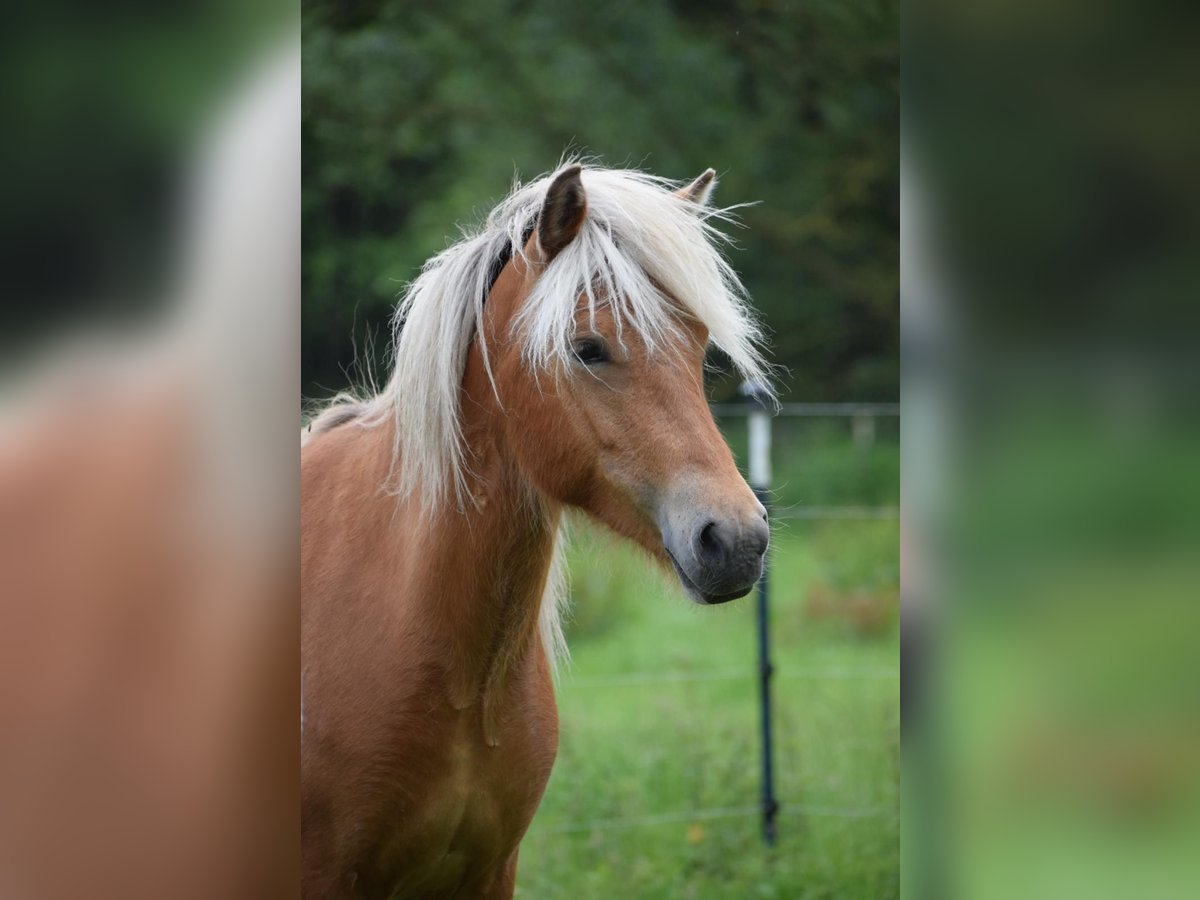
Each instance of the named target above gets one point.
<point>759,425</point>
<point>863,428</point>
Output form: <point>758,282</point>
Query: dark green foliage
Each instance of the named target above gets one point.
<point>416,117</point>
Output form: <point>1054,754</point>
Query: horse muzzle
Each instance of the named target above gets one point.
<point>717,554</point>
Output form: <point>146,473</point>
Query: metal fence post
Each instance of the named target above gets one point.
<point>759,424</point>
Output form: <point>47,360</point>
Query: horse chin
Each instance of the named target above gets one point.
<point>699,596</point>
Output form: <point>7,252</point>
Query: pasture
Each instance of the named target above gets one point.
<point>655,790</point>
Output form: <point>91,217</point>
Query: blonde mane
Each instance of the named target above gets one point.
<point>640,244</point>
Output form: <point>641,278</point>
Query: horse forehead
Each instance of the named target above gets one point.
<point>603,315</point>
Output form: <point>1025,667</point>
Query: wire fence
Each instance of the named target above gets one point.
<point>738,674</point>
<point>701,815</point>
<point>812,410</point>
<point>863,417</point>
<point>858,413</point>
<point>837,512</point>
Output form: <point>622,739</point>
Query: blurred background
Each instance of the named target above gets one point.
<point>416,117</point>
<point>1051,222</point>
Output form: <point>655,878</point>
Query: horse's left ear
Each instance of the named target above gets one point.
<point>700,190</point>
<point>562,213</point>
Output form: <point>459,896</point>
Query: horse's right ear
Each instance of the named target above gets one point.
<point>700,190</point>
<point>563,212</point>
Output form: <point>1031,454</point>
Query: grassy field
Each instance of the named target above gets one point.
<point>653,792</point>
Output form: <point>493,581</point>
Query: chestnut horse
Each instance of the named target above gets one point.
<point>552,359</point>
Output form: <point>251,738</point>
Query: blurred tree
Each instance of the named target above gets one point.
<point>416,117</point>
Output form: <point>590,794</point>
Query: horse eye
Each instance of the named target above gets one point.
<point>591,351</point>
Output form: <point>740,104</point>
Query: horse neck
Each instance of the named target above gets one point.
<point>496,554</point>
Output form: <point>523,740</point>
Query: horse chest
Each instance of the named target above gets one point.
<point>462,823</point>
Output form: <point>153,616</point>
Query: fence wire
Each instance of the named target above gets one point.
<point>738,674</point>
<point>701,815</point>
<point>814,410</point>
<point>856,411</point>
<point>836,512</point>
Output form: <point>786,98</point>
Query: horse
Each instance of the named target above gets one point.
<point>552,359</point>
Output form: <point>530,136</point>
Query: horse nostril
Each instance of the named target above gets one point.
<point>730,544</point>
<point>760,537</point>
<point>712,545</point>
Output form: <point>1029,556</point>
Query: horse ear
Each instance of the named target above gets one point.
<point>563,212</point>
<point>700,190</point>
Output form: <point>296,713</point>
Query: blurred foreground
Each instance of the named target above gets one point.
<point>148,463</point>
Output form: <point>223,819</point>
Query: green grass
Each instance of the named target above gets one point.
<point>631,749</point>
